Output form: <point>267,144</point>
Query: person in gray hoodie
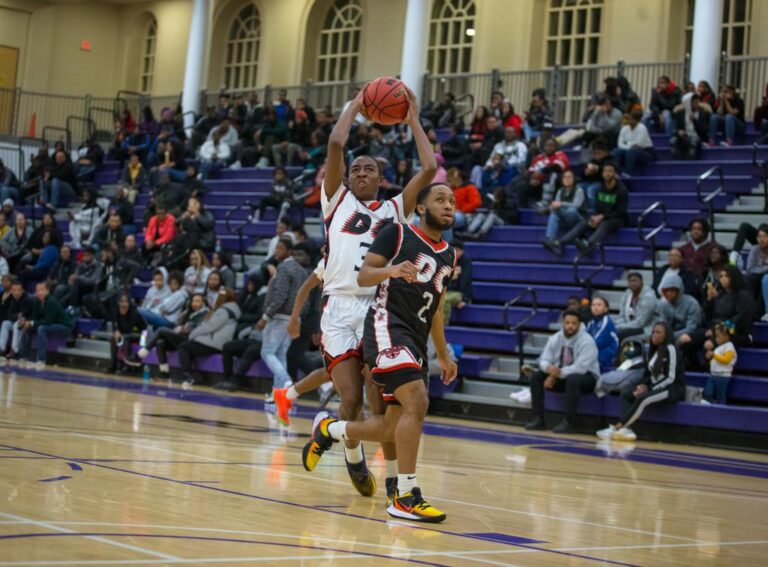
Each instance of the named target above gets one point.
<point>168,310</point>
<point>636,309</point>
<point>569,362</point>
<point>681,311</point>
<point>209,337</point>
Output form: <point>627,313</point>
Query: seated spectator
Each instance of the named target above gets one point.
<point>281,197</point>
<point>211,335</point>
<point>760,117</point>
<point>717,261</point>
<point>166,303</point>
<point>192,186</point>
<point>675,266</point>
<point>213,287</point>
<point>90,159</point>
<point>635,148</point>
<point>629,370</point>
<point>604,123</point>
<point>4,226</point>
<point>133,178</point>
<point>663,383</point>
<point>111,235</point>
<point>756,270</point>
<point>9,184</point>
<point>168,339</point>
<point>602,329</point>
<point>63,268</point>
<point>196,275</point>
<point>511,120</point>
<point>460,289</point>
<point>148,122</point>
<point>84,224</point>
<point>454,149</point>
<point>610,213</point>
<point>678,309</point>
<point>379,145</point>
<point>16,308</point>
<point>34,245</point>
<point>479,122</point>
<point>116,278</point>
<point>628,99</point>
<point>127,326</point>
<point>222,263</point>
<point>513,156</point>
<point>121,206</point>
<point>274,132</point>
<point>746,233</point>
<point>173,160</point>
<point>214,155</point>
<point>47,320</point>
<point>443,114</point>
<point>160,231</point>
<point>691,127</point>
<point>468,198</point>
<point>637,308</point>
<point>543,173</point>
<point>196,228</point>
<point>59,182</point>
<point>569,363</point>
<point>503,211</point>
<point>136,143</point>
<point>85,280</point>
<point>707,95</point>
<point>722,359</point>
<point>204,126</point>
<point>567,210</point>
<point>696,251</point>
<point>728,117</point>
<point>664,98</point>
<point>592,178</point>
<point>14,243</point>
<point>49,255</point>
<point>537,116</point>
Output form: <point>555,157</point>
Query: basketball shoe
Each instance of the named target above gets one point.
<point>412,506</point>
<point>362,479</point>
<point>283,405</point>
<point>319,443</point>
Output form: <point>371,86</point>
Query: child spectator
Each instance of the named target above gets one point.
<point>722,360</point>
<point>602,329</point>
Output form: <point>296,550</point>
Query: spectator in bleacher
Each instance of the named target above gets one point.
<point>196,275</point>
<point>636,309</point>
<point>628,99</point>
<point>602,329</point>
<point>34,244</point>
<point>756,269</point>
<point>717,261</point>
<point>609,216</point>
<point>722,359</point>
<point>282,106</point>
<point>691,127</point>
<point>313,156</point>
<point>635,147</point>
<point>665,97</point>
<point>503,211</point>
<point>537,115</point>
<point>282,247</point>
<point>511,120</point>
<point>9,184</point>
<point>90,158</point>
<point>168,310</point>
<point>168,339</point>
<point>760,117</point>
<point>46,259</point>
<point>210,336</point>
<point>664,382</point>
<point>172,196</point>
<point>592,177</point>
<point>196,228</point>
<point>514,156</point>
<point>443,114</point>
<point>541,181</point>
<point>213,287</point>
<point>727,117</point>
<point>47,320</point>
<point>603,123</point>
<point>156,293</point>
<point>134,177</point>
<point>675,267</point>
<point>130,252</point>
<point>696,251</point>
<point>111,235</point>
<point>746,233</point>
<point>707,95</point>
<point>281,196</point>
<point>468,198</point>
<point>148,123</point>
<point>63,268</point>
<point>214,155</point>
<point>84,223</point>
<point>569,362</point>
<point>174,161</point>
<point>454,150</point>
<point>136,143</point>
<point>101,302</point>
<point>678,309</point>
<point>16,307</point>
<point>272,133</point>
<point>59,182</point>
<point>127,326</point>
<point>479,123</point>
<point>85,280</point>
<point>203,127</point>
<point>459,292</point>
<point>4,226</point>
<point>14,243</point>
<point>160,231</point>
<point>565,212</point>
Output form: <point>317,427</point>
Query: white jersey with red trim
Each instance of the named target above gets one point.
<point>351,226</point>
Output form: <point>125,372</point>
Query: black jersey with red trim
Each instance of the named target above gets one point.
<point>402,311</point>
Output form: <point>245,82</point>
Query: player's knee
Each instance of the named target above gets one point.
<point>418,404</point>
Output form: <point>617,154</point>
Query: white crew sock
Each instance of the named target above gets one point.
<point>391,468</point>
<point>406,483</point>
<point>355,455</point>
<point>164,368</point>
<point>338,431</point>
<point>292,394</point>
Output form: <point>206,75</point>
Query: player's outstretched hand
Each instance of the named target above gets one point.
<point>406,270</point>
<point>413,107</point>
<point>450,371</point>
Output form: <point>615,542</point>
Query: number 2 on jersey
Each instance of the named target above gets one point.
<point>422,314</point>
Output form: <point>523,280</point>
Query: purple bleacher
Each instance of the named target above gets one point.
<point>493,315</point>
<point>530,272</point>
<point>751,389</point>
<point>615,255</point>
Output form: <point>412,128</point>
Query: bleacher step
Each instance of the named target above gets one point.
<point>484,400</point>
<point>93,345</point>
<point>85,353</point>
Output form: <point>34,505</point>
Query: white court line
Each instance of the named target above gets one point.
<point>56,528</point>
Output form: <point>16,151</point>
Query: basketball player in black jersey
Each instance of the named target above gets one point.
<point>412,266</point>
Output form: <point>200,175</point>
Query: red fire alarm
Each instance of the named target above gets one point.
<point>85,45</point>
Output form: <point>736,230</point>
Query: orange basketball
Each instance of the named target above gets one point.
<point>385,100</point>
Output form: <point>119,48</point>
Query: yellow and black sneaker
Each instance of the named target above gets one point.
<point>391,484</point>
<point>412,506</point>
<point>362,479</point>
<point>319,443</point>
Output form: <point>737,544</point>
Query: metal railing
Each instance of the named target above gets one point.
<point>762,165</point>
<point>518,327</point>
<point>650,238</point>
<point>67,139</point>
<point>708,200</point>
<point>587,281</point>
<point>81,128</point>
<point>748,74</point>
<point>240,227</point>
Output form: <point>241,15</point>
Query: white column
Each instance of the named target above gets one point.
<point>193,73</point>
<point>705,47</point>
<point>414,60</point>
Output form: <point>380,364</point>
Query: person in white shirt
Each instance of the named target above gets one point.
<point>512,151</point>
<point>635,145</point>
<point>214,155</point>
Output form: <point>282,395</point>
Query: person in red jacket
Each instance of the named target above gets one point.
<point>160,230</point>
<point>468,198</point>
<point>542,177</point>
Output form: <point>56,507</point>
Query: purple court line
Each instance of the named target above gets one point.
<point>226,540</point>
<point>328,511</point>
<point>55,478</point>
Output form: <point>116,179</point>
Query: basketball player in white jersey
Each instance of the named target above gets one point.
<point>353,218</point>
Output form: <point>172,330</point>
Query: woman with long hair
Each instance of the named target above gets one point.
<point>663,383</point>
<point>127,326</point>
<point>478,127</point>
<point>196,275</point>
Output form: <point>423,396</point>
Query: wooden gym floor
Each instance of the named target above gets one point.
<point>95,471</point>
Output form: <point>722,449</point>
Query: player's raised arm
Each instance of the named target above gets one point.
<point>334,168</point>
<point>450,370</point>
<point>426,157</point>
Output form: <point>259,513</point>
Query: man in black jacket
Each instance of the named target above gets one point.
<point>664,98</point>
<point>60,182</point>
<point>84,281</point>
<point>460,289</point>
<point>47,319</point>
<point>15,309</point>
<point>111,235</point>
<point>9,184</point>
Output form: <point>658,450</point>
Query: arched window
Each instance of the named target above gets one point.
<point>241,59</point>
<point>148,57</point>
<point>573,32</point>
<point>340,42</point>
<point>451,31</point>
<point>737,23</point>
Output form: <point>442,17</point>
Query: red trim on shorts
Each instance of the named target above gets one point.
<point>402,366</point>
<point>441,246</point>
<point>332,361</point>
